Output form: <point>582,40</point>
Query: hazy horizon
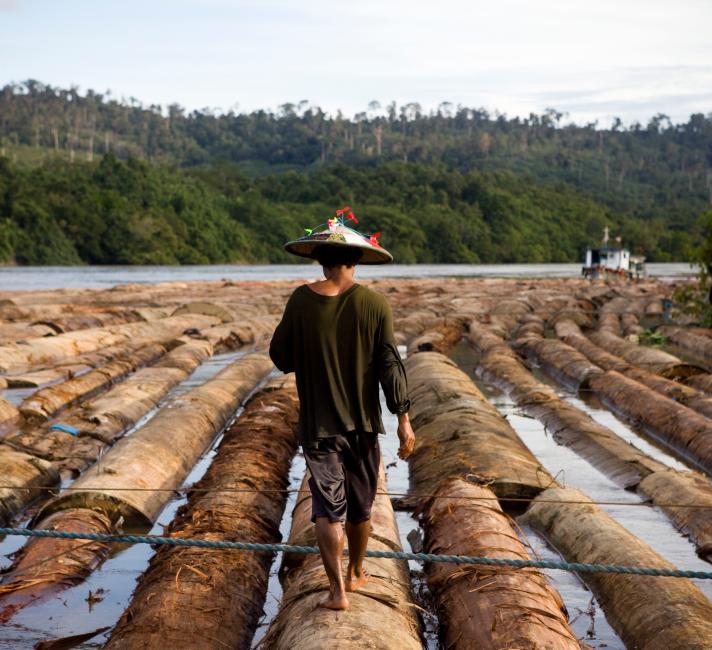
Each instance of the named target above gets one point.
<point>591,61</point>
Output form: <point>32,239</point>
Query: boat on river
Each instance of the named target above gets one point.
<point>612,261</point>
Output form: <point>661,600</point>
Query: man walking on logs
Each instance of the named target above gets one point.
<point>337,336</point>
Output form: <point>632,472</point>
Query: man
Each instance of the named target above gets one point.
<point>337,336</point>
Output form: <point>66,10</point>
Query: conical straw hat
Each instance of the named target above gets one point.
<point>335,232</point>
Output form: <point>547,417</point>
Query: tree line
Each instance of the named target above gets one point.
<point>504,189</point>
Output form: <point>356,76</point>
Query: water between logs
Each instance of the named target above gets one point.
<point>104,596</point>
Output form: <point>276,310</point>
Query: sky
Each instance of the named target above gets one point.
<point>591,60</point>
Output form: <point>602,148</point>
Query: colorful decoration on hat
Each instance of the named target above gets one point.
<point>341,229</point>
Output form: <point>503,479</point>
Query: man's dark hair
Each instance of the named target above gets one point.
<point>331,256</point>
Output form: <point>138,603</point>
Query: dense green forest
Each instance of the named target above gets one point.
<point>91,179</point>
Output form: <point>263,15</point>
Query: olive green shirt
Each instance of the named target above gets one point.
<point>341,348</point>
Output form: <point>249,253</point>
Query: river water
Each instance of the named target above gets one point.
<point>25,278</point>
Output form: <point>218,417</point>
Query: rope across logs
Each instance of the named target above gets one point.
<point>41,455</point>
<point>459,435</point>
<point>226,590</point>
<point>381,615</point>
<point>161,453</point>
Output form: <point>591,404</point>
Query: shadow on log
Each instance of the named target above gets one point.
<point>646,612</point>
<point>488,607</point>
<point>193,597</point>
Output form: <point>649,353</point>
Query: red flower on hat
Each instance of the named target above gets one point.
<point>351,216</point>
<point>374,239</point>
<point>344,209</point>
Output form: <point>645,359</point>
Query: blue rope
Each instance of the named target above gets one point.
<point>396,555</point>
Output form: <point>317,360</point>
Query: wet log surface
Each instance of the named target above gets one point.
<point>158,455</point>
<point>488,607</point>
<point>647,612</point>
<point>459,434</point>
<point>224,590</point>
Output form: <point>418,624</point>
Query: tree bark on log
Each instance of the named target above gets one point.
<point>698,345</point>
<point>488,607</point>
<point>159,455</point>
<point>47,402</point>
<point>646,612</point>
<point>171,606</point>
<point>682,429</point>
<point>51,350</point>
<point>650,359</point>
<point>460,434</point>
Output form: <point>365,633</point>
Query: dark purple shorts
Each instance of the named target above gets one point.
<point>344,476</point>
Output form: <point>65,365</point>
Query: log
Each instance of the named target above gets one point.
<point>45,351</point>
<point>695,343</point>
<point>684,488</point>
<point>47,402</point>
<point>646,612</point>
<point>98,423</point>
<point>38,378</point>
<point>9,417</point>
<point>21,474</point>
<point>159,455</point>
<point>561,361</point>
<point>381,615</point>
<point>483,607</point>
<point>569,426</point>
<point>460,434</point>
<point>440,336</point>
<point>255,454</point>
<point>650,359</point>
<point>680,428</point>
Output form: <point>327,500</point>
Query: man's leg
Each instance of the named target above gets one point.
<point>356,576</point>
<point>330,537</point>
<point>361,468</point>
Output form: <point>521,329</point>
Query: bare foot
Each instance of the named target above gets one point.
<point>334,602</point>
<point>354,582</point>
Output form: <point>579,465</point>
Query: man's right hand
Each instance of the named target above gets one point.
<point>406,436</point>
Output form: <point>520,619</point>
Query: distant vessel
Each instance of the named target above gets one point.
<point>612,261</point>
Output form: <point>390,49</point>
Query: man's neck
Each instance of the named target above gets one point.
<point>338,279</point>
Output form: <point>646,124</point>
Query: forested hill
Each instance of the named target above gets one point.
<point>457,184</point>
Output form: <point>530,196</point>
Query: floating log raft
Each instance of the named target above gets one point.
<point>49,401</point>
<point>159,455</point>
<point>623,462</point>
<point>45,351</point>
<point>647,612</point>
<point>241,497</point>
<point>682,429</point>
<point>381,615</point>
<point>482,607</point>
<point>460,434</point>
<point>697,344</point>
<point>564,363</point>
<point>650,359</point>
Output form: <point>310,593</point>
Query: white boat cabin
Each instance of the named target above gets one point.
<point>617,260</point>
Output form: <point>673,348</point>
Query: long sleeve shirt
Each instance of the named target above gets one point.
<point>341,348</point>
